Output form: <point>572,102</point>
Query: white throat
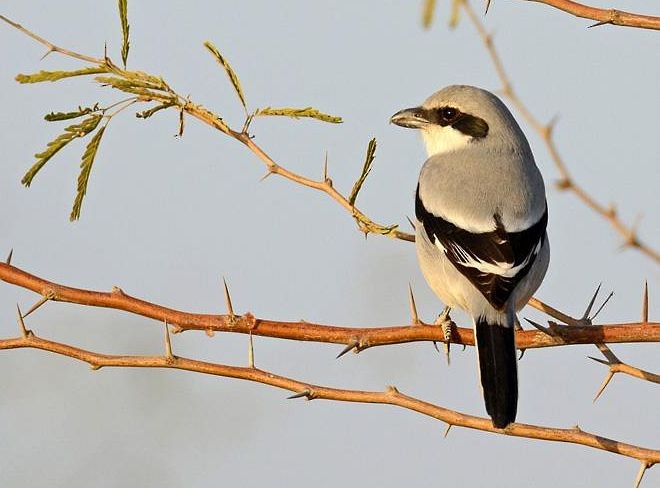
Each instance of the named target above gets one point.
<point>441,140</point>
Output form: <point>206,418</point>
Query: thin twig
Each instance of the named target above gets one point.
<point>604,16</point>
<point>390,397</point>
<point>52,47</point>
<point>566,182</point>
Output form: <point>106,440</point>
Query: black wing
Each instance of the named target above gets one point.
<point>494,262</point>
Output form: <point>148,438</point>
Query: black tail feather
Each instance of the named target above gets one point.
<point>499,375</point>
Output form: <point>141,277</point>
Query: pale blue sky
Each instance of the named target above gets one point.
<point>166,218</point>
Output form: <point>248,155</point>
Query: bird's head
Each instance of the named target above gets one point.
<point>458,116</point>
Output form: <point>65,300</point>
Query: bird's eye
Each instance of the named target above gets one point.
<point>448,113</point>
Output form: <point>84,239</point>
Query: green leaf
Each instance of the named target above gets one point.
<point>123,17</point>
<point>70,133</point>
<point>58,75</point>
<point>135,86</point>
<point>366,169</point>
<point>85,170</point>
<point>55,116</point>
<point>155,82</point>
<point>228,69</point>
<point>145,114</point>
<point>124,84</point>
<point>427,13</point>
<point>297,113</point>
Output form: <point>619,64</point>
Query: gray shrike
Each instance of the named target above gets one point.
<point>481,225</point>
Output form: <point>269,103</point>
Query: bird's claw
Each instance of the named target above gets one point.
<point>447,324</point>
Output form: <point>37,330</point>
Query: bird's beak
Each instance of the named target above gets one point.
<point>412,118</point>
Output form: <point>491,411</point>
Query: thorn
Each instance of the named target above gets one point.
<point>413,307</point>
<point>268,173</point>
<point>522,353</point>
<point>606,382</point>
<point>307,393</point>
<point>435,344</point>
<point>449,426</point>
<point>645,303</point>
<point>516,324</point>
<point>585,316</point>
<point>25,333</point>
<point>117,291</point>
<point>577,428</point>
<point>640,474</point>
<point>230,308</point>
<point>411,223</point>
<point>349,347</point>
<point>487,6</point>
<point>325,167</point>
<point>94,366</point>
<point>250,353</point>
<point>392,390</point>
<point>601,361</point>
<point>168,343</point>
<point>598,24</point>
<point>209,332</point>
<point>550,127</point>
<point>11,253</point>
<point>39,303</point>
<point>602,306</point>
<point>50,50</point>
<point>545,330</point>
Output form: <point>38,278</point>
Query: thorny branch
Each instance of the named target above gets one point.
<point>604,16</point>
<point>358,338</point>
<point>575,435</point>
<point>545,131</point>
<point>615,365</point>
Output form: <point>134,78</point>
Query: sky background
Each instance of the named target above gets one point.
<point>166,218</point>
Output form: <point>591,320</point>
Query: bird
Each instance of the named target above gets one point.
<point>480,231</point>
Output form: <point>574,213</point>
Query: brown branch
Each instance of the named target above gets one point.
<point>183,104</point>
<point>324,185</point>
<point>52,48</point>
<point>604,16</point>
<point>611,360</point>
<point>566,182</point>
<point>615,365</point>
<point>389,397</point>
<point>360,338</point>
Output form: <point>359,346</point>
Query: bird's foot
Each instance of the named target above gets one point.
<point>447,325</point>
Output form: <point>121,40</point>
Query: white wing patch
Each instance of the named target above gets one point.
<point>504,269</point>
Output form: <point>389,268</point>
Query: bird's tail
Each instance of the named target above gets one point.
<point>498,370</point>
